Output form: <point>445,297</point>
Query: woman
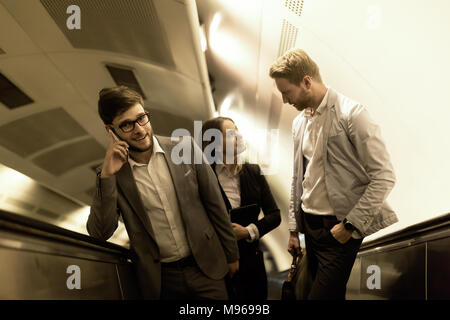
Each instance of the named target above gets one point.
<point>243,185</point>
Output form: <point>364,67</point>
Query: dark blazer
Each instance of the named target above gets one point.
<point>251,281</point>
<point>208,228</point>
<point>254,189</point>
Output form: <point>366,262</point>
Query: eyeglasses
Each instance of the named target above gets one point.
<point>128,126</point>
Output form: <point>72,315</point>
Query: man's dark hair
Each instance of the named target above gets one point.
<point>113,102</point>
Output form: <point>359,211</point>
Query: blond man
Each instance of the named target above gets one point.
<point>342,174</point>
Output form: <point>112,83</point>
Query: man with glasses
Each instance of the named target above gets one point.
<point>180,233</point>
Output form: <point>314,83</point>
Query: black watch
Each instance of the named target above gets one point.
<point>348,225</point>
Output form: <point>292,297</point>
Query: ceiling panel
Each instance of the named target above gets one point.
<point>124,76</point>
<point>288,37</point>
<point>295,6</point>
<point>13,38</point>
<point>10,95</point>
<point>30,134</point>
<point>61,160</point>
<point>169,90</point>
<point>164,123</point>
<point>120,26</point>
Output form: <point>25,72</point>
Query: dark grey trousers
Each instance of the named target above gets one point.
<point>330,262</point>
<point>189,283</point>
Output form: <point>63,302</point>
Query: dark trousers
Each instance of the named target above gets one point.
<point>250,282</point>
<point>188,282</point>
<point>330,262</point>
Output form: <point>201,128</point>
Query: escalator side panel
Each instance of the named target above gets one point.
<point>34,275</point>
<point>438,269</point>
<point>401,271</point>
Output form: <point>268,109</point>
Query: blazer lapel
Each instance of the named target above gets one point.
<point>327,123</point>
<point>302,133</point>
<point>176,172</point>
<point>243,183</point>
<point>128,187</point>
<point>298,152</point>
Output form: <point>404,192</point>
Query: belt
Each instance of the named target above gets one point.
<point>318,221</point>
<point>189,261</point>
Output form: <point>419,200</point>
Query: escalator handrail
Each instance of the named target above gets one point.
<point>415,230</point>
<point>22,224</point>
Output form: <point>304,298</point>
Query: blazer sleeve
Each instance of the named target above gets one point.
<point>272,217</point>
<point>104,215</point>
<point>292,223</point>
<point>365,135</point>
<point>209,191</point>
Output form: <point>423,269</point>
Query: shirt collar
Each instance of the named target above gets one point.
<point>309,113</point>
<point>323,104</point>
<point>156,149</point>
<point>221,167</point>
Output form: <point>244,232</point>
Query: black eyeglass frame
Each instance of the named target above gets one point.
<point>147,114</point>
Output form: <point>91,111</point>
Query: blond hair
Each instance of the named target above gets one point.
<point>294,65</point>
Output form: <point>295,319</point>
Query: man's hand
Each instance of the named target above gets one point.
<point>233,268</point>
<point>116,156</point>
<point>294,244</point>
<point>341,234</point>
<point>239,231</point>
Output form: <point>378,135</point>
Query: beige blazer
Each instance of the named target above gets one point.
<point>358,173</point>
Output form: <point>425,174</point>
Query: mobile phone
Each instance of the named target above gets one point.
<point>117,139</point>
<point>115,135</point>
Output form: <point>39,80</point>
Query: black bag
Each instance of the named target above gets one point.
<point>298,281</point>
<point>288,289</point>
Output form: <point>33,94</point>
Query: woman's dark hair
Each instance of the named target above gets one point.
<point>113,102</point>
<point>214,123</point>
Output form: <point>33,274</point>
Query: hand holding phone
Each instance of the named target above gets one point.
<point>118,139</point>
<point>116,155</point>
<point>114,135</point>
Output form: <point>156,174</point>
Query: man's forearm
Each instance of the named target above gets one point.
<point>103,217</point>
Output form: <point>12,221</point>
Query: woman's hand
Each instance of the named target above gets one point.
<point>240,232</point>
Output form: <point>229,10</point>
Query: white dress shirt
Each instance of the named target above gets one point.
<point>315,196</point>
<point>230,183</point>
<point>158,195</point>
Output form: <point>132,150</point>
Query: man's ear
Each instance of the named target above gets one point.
<point>307,81</point>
